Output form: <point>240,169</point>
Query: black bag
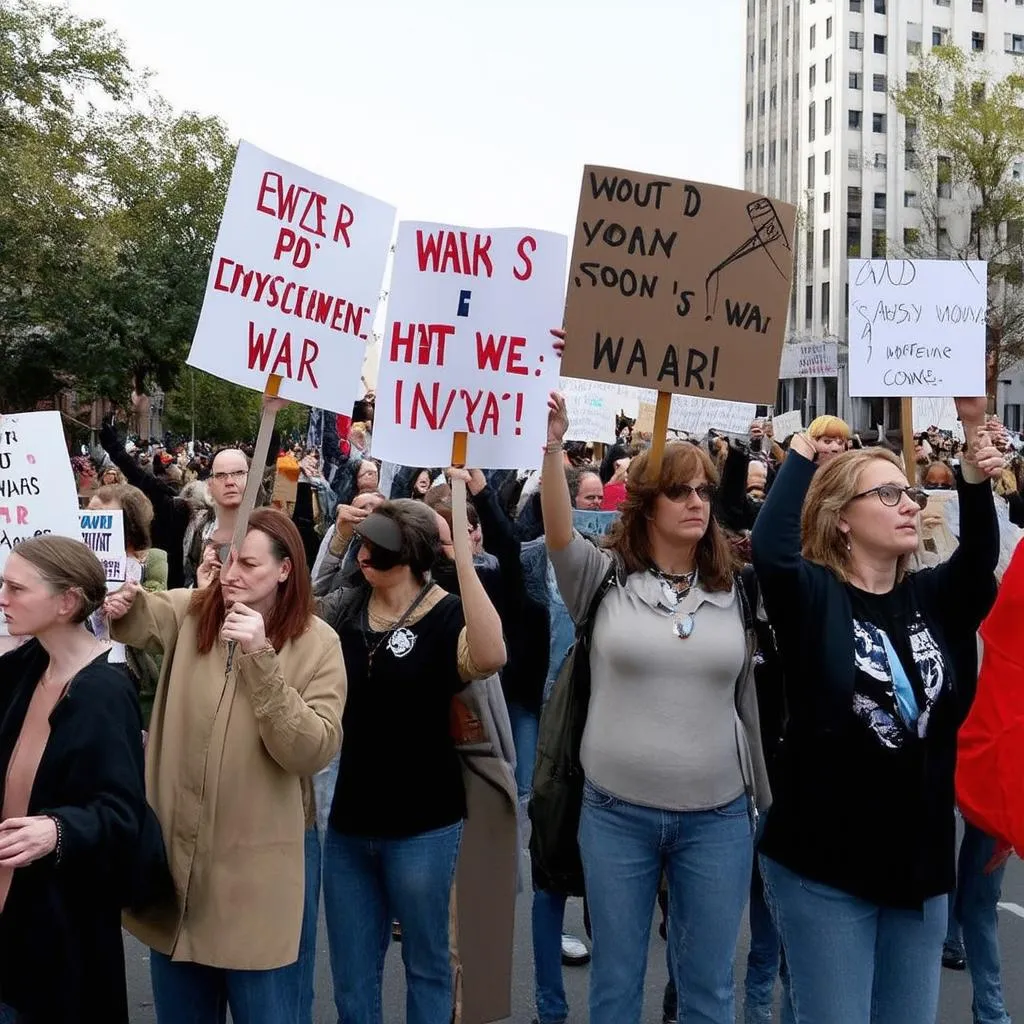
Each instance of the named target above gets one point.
<point>557,797</point>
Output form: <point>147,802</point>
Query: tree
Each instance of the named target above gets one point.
<point>964,131</point>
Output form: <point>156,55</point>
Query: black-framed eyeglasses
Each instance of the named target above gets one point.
<point>235,474</point>
<point>891,495</point>
<point>683,492</point>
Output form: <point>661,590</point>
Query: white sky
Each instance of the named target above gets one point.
<point>479,113</point>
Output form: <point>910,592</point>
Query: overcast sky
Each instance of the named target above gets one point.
<point>473,112</point>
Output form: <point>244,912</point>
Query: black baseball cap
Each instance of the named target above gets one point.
<point>381,531</point>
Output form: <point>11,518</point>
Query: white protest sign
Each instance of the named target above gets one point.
<point>592,407</point>
<point>809,359</point>
<point>103,534</point>
<point>467,347</point>
<point>917,328</point>
<point>694,415</point>
<point>786,423</point>
<point>937,412</point>
<point>294,283</point>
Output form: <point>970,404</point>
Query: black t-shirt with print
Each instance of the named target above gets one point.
<point>399,773</point>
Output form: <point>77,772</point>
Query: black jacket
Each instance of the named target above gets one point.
<point>61,953</point>
<point>848,813</point>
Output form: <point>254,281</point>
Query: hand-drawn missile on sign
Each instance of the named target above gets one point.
<point>768,234</point>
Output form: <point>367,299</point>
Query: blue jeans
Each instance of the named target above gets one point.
<point>525,726</point>
<point>369,882</point>
<point>187,993</point>
<point>851,961</point>
<point>547,919</point>
<point>765,961</point>
<point>707,858</point>
<point>304,969</point>
<point>974,924</point>
<point>8,1015</point>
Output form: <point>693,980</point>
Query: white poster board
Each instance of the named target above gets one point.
<point>786,423</point>
<point>917,328</point>
<point>103,534</point>
<point>467,346</point>
<point>809,359</point>
<point>592,407</point>
<point>693,415</point>
<point>937,412</point>
<point>294,283</point>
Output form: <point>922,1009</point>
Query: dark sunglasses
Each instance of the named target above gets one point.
<point>683,492</point>
<point>891,495</point>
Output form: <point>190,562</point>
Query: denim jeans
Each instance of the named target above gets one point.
<point>525,726</point>
<point>187,993</point>
<point>304,969</point>
<point>547,919</point>
<point>707,858</point>
<point>851,961</point>
<point>324,783</point>
<point>367,883</point>
<point>974,924</point>
<point>8,1015</point>
<point>765,961</point>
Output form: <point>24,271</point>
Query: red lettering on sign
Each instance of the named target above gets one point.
<point>445,251</point>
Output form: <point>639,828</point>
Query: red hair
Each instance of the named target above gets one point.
<point>294,608</point>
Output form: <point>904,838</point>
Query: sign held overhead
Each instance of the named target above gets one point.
<point>678,286</point>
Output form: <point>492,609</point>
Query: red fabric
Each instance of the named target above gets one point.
<point>614,496</point>
<point>990,760</point>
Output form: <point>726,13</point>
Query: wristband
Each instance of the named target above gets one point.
<point>553,448</point>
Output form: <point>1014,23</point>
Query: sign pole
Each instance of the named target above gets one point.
<point>907,429</point>
<point>661,411</point>
<point>259,460</point>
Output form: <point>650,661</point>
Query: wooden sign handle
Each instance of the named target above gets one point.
<point>907,429</point>
<point>657,452</point>
<point>460,444</point>
<point>259,461</point>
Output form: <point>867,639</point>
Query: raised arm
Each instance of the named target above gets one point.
<point>499,535</point>
<point>555,503</point>
<point>147,620</point>
<point>160,494</point>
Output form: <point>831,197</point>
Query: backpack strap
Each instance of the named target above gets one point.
<point>612,578</point>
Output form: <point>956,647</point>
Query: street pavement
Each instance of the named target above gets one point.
<point>956,988</point>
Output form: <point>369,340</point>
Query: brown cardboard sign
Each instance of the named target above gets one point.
<point>678,286</point>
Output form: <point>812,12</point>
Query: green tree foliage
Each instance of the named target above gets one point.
<point>964,132</point>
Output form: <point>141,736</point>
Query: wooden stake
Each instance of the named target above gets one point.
<point>907,429</point>
<point>460,442</point>
<point>657,451</point>
<point>256,468</point>
<point>598,451</point>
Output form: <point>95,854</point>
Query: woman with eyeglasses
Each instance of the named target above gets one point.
<point>671,749</point>
<point>880,668</point>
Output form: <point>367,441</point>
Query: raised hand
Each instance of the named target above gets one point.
<point>245,627</point>
<point>117,605</point>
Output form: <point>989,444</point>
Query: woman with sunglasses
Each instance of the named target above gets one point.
<point>880,667</point>
<point>671,749</point>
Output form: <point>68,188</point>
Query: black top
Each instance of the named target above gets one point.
<point>399,774</point>
<point>863,802</point>
<point>61,952</point>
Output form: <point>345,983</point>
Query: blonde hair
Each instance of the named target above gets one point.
<point>1006,483</point>
<point>833,488</point>
<point>829,426</point>
<point>64,564</point>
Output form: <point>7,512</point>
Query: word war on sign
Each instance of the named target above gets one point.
<point>678,286</point>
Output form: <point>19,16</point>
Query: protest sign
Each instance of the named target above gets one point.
<point>787,423</point>
<point>678,286</point>
<point>593,524</point>
<point>917,328</point>
<point>937,535</point>
<point>467,348</point>
<point>103,534</point>
<point>696,416</point>
<point>937,412</point>
<point>592,409</point>
<point>809,359</point>
<point>294,283</point>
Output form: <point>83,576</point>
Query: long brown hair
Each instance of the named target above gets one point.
<point>294,608</point>
<point>629,537</point>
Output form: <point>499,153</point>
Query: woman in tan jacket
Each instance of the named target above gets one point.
<point>249,702</point>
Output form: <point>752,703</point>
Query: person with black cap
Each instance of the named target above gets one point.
<point>399,804</point>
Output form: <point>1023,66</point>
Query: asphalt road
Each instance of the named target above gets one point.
<point>956,988</point>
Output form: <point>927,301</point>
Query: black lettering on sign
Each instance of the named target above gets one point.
<point>623,190</point>
<point>609,350</point>
<point>615,235</point>
<point>746,315</point>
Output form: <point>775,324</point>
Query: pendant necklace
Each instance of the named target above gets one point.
<point>678,585</point>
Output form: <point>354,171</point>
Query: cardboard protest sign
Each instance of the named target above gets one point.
<point>467,346</point>
<point>787,423</point>
<point>294,283</point>
<point>592,409</point>
<point>102,533</point>
<point>917,328</point>
<point>809,359</point>
<point>678,286</point>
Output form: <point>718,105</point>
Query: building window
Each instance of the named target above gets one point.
<point>879,6</point>
<point>810,252</point>
<point>812,38</point>
<point>856,40</point>
<point>978,6</point>
<point>977,41</point>
<point>828,69</point>
<point>879,44</point>
<point>854,118</point>
<point>771,152</point>
<point>828,116</point>
<point>1011,415</point>
<point>812,76</point>
<point>826,202</point>
<point>826,247</point>
<point>856,78</point>
<point>881,162</point>
<point>914,36</point>
<point>828,28</point>
<point>910,200</point>
<point>809,305</point>
<point>748,159</point>
<point>878,123</point>
<point>825,290</point>
<point>1013,44</point>
<point>940,36</point>
<point>760,104</point>
<point>750,110</point>
<point>856,6</point>
<point>828,161</point>
<point>878,244</point>
<point>879,200</point>
<point>853,159</point>
<point>810,172</point>
<point>878,83</point>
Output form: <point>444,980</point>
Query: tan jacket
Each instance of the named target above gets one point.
<point>223,766</point>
